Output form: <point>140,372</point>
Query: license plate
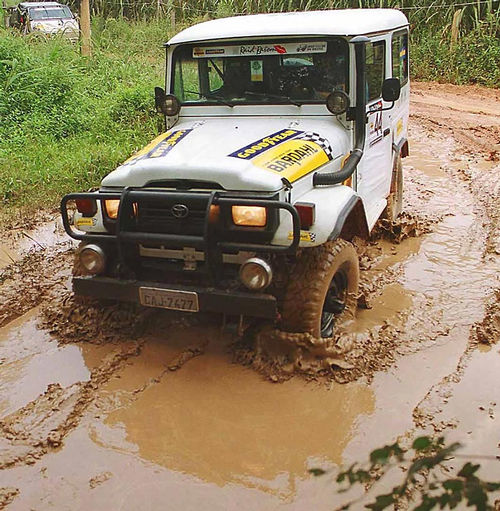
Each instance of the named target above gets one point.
<point>169,299</point>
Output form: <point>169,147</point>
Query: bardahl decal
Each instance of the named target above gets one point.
<point>160,146</point>
<point>291,153</point>
<point>87,222</point>
<point>304,236</point>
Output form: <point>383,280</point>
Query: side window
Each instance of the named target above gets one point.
<point>400,56</point>
<point>375,69</point>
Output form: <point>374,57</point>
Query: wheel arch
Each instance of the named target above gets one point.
<point>351,221</point>
<point>402,147</point>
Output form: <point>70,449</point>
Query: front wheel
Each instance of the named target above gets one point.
<point>323,287</point>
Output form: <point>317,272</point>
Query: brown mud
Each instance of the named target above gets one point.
<point>120,407</point>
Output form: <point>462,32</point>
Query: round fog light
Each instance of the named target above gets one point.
<point>92,259</point>
<point>256,274</point>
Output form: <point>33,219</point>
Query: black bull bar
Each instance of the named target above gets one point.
<point>210,240</point>
<point>211,299</point>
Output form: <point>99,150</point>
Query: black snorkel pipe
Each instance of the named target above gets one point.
<point>333,178</point>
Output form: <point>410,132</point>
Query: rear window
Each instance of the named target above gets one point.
<point>375,69</point>
<point>400,56</point>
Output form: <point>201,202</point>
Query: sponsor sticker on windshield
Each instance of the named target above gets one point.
<point>242,50</point>
<point>256,70</point>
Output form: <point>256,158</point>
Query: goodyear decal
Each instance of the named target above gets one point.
<point>291,153</point>
<point>304,236</point>
<point>160,146</point>
<point>259,146</point>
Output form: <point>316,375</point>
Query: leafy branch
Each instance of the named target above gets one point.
<point>420,466</point>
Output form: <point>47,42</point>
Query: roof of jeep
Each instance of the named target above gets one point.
<point>40,4</point>
<point>342,22</point>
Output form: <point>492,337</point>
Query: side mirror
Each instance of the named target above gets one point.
<point>391,89</point>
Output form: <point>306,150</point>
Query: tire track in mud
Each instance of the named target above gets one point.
<point>41,426</point>
<point>27,283</point>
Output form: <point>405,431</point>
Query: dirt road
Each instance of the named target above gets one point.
<point>169,413</point>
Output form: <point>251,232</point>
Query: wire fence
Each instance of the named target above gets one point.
<point>440,13</point>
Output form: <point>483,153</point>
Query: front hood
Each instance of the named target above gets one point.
<point>236,153</point>
<point>53,26</point>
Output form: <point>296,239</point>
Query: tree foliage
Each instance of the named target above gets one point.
<point>423,475</point>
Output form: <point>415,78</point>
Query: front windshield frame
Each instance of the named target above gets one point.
<point>337,47</point>
<point>64,10</point>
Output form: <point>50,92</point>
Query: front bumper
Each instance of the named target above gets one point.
<point>209,299</point>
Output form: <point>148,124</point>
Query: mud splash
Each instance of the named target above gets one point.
<point>73,319</point>
<point>487,331</point>
<point>353,352</point>
<point>27,283</point>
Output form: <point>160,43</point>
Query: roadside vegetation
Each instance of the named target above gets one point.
<point>66,121</point>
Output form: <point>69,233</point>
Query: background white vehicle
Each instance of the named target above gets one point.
<point>47,18</point>
<point>285,134</point>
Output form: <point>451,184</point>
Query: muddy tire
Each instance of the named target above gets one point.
<point>395,199</point>
<point>322,290</point>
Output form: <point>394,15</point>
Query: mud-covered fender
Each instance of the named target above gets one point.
<point>339,212</point>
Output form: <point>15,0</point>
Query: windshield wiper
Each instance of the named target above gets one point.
<point>273,96</point>
<point>218,98</point>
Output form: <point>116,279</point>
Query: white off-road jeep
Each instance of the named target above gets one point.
<point>47,18</point>
<point>284,138</point>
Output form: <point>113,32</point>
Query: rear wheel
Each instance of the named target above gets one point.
<point>395,199</point>
<point>322,289</point>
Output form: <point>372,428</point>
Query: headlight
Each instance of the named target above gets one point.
<point>112,206</point>
<point>253,216</point>
<point>256,274</point>
<point>92,259</point>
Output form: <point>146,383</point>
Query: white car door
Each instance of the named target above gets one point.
<point>375,168</point>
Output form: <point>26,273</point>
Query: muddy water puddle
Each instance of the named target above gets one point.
<point>177,425</point>
<point>20,241</point>
<point>30,360</point>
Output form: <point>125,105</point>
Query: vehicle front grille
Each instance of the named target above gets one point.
<point>159,216</point>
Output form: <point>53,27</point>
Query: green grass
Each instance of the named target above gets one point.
<point>67,121</point>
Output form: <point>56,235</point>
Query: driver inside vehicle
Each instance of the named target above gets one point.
<point>332,74</point>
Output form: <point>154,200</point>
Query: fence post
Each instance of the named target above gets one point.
<point>5,14</point>
<point>85,28</point>
<point>455,26</point>
<point>172,16</point>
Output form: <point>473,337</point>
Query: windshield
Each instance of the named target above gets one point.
<point>42,13</point>
<point>296,72</point>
